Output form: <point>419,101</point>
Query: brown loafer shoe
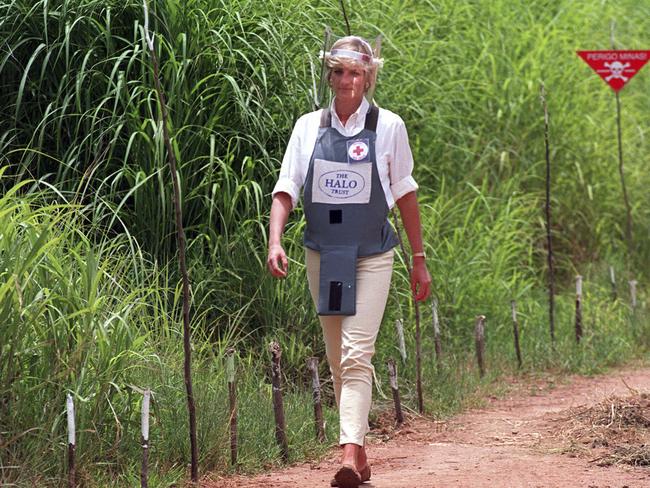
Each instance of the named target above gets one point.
<point>364,473</point>
<point>347,477</point>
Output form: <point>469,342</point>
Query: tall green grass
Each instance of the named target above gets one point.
<point>90,294</point>
<point>77,319</point>
<point>238,73</point>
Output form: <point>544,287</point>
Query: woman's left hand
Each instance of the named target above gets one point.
<point>420,280</point>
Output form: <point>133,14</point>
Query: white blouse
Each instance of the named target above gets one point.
<point>394,158</point>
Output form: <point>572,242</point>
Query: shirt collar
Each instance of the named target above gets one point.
<point>356,121</point>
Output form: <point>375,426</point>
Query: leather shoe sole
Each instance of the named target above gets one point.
<point>364,476</point>
<point>347,477</point>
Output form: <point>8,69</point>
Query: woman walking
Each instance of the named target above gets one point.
<point>354,163</point>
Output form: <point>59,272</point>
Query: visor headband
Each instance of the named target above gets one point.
<point>357,56</point>
<point>364,58</point>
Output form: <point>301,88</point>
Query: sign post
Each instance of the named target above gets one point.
<point>617,67</point>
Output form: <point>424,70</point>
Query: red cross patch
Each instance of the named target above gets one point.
<point>358,150</point>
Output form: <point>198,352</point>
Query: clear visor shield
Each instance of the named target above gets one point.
<point>328,54</point>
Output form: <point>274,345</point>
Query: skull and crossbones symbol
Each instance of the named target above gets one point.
<point>617,69</point>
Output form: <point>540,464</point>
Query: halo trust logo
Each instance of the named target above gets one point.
<point>341,184</point>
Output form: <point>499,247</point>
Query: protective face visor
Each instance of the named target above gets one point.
<point>328,55</point>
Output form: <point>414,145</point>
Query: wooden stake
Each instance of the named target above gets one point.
<point>72,442</point>
<point>312,365</point>
<point>345,17</point>
<point>180,237</point>
<point>278,404</point>
<point>612,280</point>
<point>399,325</point>
<point>578,308</point>
<point>232,401</point>
<point>437,342</point>
<point>377,53</point>
<point>322,82</point>
<point>392,375</point>
<point>549,240</point>
<point>626,200</point>
<point>515,330</point>
<point>144,472</point>
<point>418,358</point>
<point>633,284</point>
<point>480,343</point>
<point>418,335</point>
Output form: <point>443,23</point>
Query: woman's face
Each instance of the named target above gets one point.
<point>348,83</point>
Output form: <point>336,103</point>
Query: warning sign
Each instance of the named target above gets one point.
<point>615,67</point>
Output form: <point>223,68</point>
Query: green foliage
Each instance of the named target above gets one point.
<point>76,319</point>
<point>90,293</point>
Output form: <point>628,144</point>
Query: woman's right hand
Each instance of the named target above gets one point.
<point>277,261</point>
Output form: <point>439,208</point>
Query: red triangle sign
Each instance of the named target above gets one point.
<point>616,67</point>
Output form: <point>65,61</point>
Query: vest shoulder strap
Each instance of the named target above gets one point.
<point>371,118</point>
<point>326,118</point>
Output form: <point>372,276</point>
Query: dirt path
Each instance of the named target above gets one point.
<point>510,443</point>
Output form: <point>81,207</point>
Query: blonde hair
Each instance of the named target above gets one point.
<point>343,52</point>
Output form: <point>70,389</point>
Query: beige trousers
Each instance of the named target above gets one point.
<point>350,340</point>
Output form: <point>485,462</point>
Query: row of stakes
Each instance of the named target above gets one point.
<point>72,441</point>
<point>312,366</point>
<point>278,407</point>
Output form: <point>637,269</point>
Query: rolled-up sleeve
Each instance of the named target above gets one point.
<point>401,164</point>
<point>292,175</point>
